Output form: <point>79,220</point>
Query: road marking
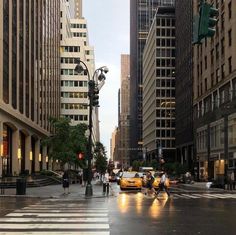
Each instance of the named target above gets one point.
<point>57,214</point>
<point>53,226</point>
<point>54,220</point>
<point>55,233</point>
<point>191,196</point>
<point>180,196</point>
<point>60,211</point>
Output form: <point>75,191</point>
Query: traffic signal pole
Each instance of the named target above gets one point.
<point>93,89</point>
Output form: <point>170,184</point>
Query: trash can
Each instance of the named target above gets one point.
<point>20,186</point>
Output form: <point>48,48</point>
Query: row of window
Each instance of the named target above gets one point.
<point>77,117</point>
<point>74,106</point>
<point>165,52</point>
<point>70,49</point>
<point>71,72</point>
<point>165,63</point>
<point>167,113</point>
<point>74,95</point>
<point>165,32</point>
<point>74,83</point>
<point>165,93</point>
<point>167,143</point>
<point>165,73</point>
<point>165,82</point>
<point>79,35</point>
<point>165,22</point>
<point>78,26</point>
<point>219,97</point>
<point>165,123</point>
<point>69,60</point>
<point>165,42</point>
<point>165,133</point>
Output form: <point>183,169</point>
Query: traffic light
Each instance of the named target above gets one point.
<point>207,21</point>
<point>91,87</point>
<point>95,97</point>
<point>80,156</point>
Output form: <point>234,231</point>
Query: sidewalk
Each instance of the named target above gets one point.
<point>202,187</point>
<point>57,191</point>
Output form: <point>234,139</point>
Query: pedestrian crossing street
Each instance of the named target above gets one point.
<point>55,216</point>
<point>199,196</point>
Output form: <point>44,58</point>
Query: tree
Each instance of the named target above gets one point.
<point>100,158</point>
<point>66,142</point>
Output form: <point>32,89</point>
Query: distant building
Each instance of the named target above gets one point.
<point>29,82</point>
<point>141,16</point>
<point>214,86</point>
<point>184,82</point>
<point>74,86</point>
<point>124,114</point>
<point>159,87</point>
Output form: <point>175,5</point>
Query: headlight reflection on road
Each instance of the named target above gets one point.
<point>156,207</point>
<point>139,202</point>
<point>123,202</point>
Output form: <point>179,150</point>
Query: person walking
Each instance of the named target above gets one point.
<point>232,181</point>
<point>149,183</point>
<point>66,182</point>
<point>163,185</point>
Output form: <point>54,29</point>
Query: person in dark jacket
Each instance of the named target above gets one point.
<point>66,182</point>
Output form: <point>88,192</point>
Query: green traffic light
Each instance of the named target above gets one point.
<point>206,21</point>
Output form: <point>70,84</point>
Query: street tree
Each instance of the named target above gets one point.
<point>100,158</point>
<point>66,142</point>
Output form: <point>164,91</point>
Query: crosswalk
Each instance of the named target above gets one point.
<point>202,195</point>
<point>55,216</point>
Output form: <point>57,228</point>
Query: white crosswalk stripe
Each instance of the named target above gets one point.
<point>52,217</point>
<point>203,195</point>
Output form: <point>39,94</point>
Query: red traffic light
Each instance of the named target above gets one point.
<point>80,156</point>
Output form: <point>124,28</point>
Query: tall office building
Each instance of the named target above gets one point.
<point>124,114</point>
<point>184,82</point>
<point>159,87</point>
<point>29,82</point>
<point>74,86</point>
<point>141,15</point>
<point>214,86</point>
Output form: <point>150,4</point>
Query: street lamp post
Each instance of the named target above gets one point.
<point>93,90</point>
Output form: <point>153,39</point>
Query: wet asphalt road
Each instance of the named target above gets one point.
<point>138,214</point>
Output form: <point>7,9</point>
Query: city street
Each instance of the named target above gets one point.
<point>128,212</point>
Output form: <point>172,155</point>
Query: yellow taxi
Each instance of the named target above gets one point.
<point>157,180</point>
<point>130,180</point>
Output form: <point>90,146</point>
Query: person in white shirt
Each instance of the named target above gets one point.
<point>163,185</point>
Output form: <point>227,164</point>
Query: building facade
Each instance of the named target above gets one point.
<point>29,82</point>
<point>214,84</point>
<point>124,113</point>
<point>159,87</point>
<point>74,86</point>
<point>141,15</point>
<point>184,81</point>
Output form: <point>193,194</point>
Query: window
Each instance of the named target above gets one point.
<point>230,10</point>
<point>230,64</point>
<point>230,37</point>
<point>205,62</point>
<point>222,46</point>
<point>205,84</point>
<point>222,71</point>
<point>217,51</point>
<point>217,75</point>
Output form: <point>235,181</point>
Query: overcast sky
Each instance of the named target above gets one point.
<point>108,28</point>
